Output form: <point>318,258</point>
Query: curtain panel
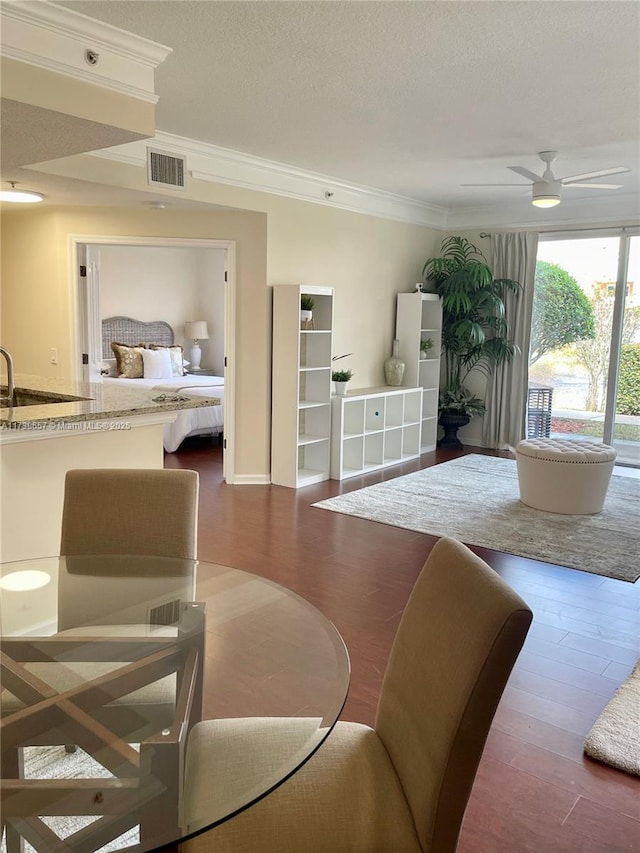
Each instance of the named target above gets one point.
<point>513,256</point>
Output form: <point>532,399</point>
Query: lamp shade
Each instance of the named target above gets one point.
<point>196,329</point>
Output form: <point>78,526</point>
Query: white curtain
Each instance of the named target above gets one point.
<point>513,256</point>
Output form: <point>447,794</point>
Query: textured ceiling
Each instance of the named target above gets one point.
<point>413,98</point>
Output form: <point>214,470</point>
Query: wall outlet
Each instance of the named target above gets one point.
<point>54,355</point>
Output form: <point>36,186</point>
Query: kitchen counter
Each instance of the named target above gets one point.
<point>107,427</point>
<point>97,402</point>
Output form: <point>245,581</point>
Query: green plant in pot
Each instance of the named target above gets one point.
<point>426,346</point>
<point>340,379</point>
<point>475,332</point>
<point>307,304</point>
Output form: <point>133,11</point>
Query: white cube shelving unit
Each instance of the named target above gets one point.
<point>373,428</point>
<point>418,317</point>
<point>301,387</point>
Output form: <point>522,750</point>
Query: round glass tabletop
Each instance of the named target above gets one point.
<point>111,664</point>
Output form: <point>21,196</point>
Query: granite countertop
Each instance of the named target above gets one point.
<point>96,402</point>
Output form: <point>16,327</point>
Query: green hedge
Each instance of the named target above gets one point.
<point>628,402</point>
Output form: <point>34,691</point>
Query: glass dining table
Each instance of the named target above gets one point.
<point>107,664</point>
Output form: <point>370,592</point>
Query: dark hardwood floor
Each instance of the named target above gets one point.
<point>535,790</point>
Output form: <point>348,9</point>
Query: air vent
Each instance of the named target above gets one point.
<point>165,169</point>
<point>165,614</point>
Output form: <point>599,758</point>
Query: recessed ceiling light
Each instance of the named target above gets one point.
<point>20,196</point>
<point>24,580</point>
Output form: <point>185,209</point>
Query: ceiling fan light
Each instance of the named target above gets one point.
<point>545,200</point>
<point>20,196</point>
<point>545,194</point>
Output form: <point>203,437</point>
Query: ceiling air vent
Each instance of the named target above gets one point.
<point>165,169</point>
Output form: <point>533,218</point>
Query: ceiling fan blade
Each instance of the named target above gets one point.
<point>585,176</point>
<point>494,185</point>
<point>525,173</point>
<point>596,186</point>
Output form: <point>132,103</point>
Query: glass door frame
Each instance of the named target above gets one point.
<point>624,235</point>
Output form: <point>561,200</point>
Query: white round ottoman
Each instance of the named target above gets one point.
<point>561,475</point>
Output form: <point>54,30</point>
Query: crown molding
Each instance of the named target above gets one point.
<point>55,39</point>
<point>213,164</point>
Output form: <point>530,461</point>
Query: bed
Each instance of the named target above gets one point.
<point>208,420</point>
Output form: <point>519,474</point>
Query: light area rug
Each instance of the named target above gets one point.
<point>475,499</point>
<point>53,762</point>
<point>615,736</point>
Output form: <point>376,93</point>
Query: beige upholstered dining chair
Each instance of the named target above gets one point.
<point>127,511</point>
<point>403,786</point>
<point>130,511</point>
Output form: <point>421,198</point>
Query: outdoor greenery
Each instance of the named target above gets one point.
<point>628,399</point>
<point>562,312</point>
<point>475,333</point>
<point>593,354</point>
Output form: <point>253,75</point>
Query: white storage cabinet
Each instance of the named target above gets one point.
<point>418,317</point>
<point>373,428</point>
<point>301,387</point>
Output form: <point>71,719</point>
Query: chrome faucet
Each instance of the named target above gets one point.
<point>8,398</point>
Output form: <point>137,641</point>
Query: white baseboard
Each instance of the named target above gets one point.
<point>251,480</point>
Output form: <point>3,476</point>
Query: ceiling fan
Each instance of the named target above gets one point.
<point>547,188</point>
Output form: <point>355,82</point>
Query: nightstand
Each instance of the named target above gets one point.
<point>201,371</point>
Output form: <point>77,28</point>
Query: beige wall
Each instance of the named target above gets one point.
<point>279,241</point>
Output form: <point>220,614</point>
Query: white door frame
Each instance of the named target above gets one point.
<point>85,303</point>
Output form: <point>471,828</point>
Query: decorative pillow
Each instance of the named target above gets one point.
<point>175,353</point>
<point>109,367</point>
<point>157,364</point>
<point>128,360</point>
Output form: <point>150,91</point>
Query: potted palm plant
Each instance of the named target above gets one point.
<point>475,332</point>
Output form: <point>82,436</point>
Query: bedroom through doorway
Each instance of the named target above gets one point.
<point>158,285</point>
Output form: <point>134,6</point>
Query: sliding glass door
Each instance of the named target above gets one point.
<point>584,371</point>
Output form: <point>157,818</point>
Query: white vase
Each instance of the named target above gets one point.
<point>394,366</point>
<point>306,319</point>
<point>340,388</point>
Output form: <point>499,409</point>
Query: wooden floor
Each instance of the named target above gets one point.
<point>535,790</point>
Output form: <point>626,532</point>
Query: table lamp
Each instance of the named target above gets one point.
<point>196,329</point>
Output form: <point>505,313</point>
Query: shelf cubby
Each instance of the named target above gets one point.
<point>301,386</point>
<point>373,428</point>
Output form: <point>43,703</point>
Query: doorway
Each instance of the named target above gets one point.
<point>584,368</point>
<point>209,266</point>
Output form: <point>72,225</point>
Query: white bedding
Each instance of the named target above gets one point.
<point>209,419</point>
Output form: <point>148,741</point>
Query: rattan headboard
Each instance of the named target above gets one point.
<point>126,330</point>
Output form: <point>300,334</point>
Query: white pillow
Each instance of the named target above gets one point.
<point>157,364</point>
<point>109,367</point>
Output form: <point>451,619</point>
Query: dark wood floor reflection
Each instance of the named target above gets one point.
<point>535,790</point>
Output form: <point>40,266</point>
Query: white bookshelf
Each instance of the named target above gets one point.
<point>418,317</point>
<point>301,387</point>
<point>374,428</point>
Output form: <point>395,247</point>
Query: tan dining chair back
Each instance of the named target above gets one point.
<point>458,639</point>
<point>404,785</point>
<point>130,511</point>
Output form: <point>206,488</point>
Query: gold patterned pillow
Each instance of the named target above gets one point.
<point>175,352</point>
<point>128,360</point>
